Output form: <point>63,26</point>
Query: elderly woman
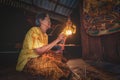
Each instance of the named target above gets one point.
<point>36,56</point>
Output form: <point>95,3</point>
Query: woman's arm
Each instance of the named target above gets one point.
<point>49,46</point>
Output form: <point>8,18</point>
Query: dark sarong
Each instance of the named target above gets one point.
<point>49,64</point>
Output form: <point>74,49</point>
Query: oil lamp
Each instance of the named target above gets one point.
<point>70,28</point>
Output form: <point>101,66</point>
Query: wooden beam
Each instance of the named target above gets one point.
<point>57,2</point>
<point>35,9</point>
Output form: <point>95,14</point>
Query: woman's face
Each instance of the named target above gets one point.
<point>46,22</point>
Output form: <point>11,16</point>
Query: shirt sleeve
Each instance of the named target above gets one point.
<point>33,39</point>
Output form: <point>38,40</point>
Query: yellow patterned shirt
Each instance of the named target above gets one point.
<point>34,38</point>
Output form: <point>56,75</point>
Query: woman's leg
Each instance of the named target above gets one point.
<point>48,69</point>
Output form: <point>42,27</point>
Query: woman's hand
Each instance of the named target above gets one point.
<point>61,37</point>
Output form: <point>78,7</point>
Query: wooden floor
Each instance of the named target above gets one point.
<point>88,70</point>
<point>83,70</point>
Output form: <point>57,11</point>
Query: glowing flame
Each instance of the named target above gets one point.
<point>68,32</point>
<point>70,28</point>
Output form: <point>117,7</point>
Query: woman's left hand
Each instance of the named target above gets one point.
<point>62,36</point>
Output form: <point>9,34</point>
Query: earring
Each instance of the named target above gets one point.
<point>37,22</point>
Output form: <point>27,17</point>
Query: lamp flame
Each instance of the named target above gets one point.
<point>70,28</point>
<point>68,32</point>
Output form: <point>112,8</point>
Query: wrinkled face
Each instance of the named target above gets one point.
<point>46,22</point>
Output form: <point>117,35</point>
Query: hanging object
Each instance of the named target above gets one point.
<point>70,28</point>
